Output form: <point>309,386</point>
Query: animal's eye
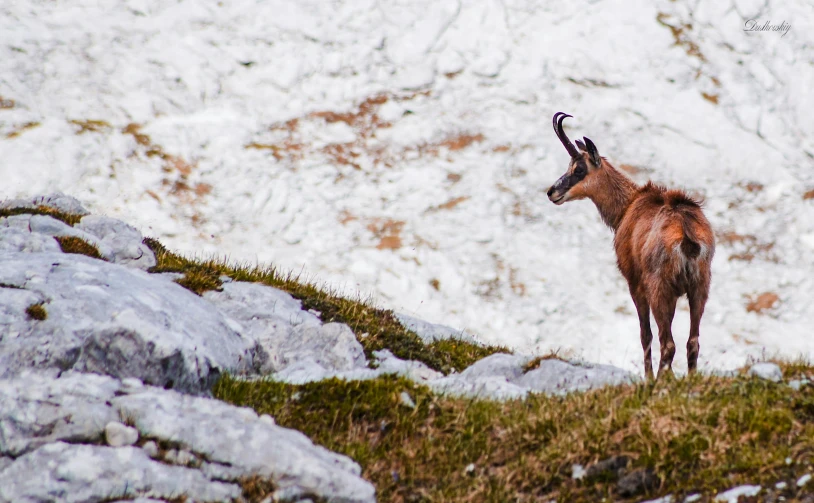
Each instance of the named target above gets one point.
<point>579,170</point>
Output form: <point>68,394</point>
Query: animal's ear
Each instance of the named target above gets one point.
<point>593,152</point>
<point>580,145</point>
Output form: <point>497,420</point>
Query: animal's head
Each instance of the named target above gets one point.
<point>578,180</point>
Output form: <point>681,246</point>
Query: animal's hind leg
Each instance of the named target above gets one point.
<point>645,334</point>
<point>663,305</point>
<point>697,302</point>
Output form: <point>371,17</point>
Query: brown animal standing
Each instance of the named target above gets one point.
<point>664,243</point>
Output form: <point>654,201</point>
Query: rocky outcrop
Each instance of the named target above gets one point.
<point>287,333</point>
<point>114,320</point>
<point>55,443</point>
<point>116,241</point>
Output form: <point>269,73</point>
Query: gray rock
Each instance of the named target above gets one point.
<point>503,365</point>
<point>612,467</point>
<point>39,410</point>
<point>307,370</point>
<point>387,363</point>
<point>46,226</point>
<point>431,332</point>
<point>57,201</point>
<point>487,387</point>
<point>16,240</point>
<point>235,441</point>
<point>501,377</point>
<point>124,243</point>
<point>287,334</point>
<point>80,473</point>
<point>50,226</point>
<point>120,435</point>
<point>117,321</point>
<point>637,482</point>
<point>767,370</point>
<point>558,377</point>
<point>332,345</point>
<point>116,241</point>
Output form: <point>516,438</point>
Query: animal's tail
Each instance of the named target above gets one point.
<point>690,245</point>
<point>685,206</point>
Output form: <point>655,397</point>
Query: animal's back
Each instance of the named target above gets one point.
<point>664,234</point>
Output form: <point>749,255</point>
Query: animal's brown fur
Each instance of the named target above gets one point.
<point>664,247</point>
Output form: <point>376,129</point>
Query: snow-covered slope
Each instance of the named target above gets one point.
<point>403,149</point>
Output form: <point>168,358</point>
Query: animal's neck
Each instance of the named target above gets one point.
<point>614,195</point>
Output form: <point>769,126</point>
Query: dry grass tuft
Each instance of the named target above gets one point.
<point>36,312</point>
<point>763,302</point>
<point>808,195</point>
<point>747,247</point>
<point>73,244</point>
<point>22,128</point>
<point>712,98</point>
<point>681,36</point>
<point>388,232</point>
<point>535,362</point>
<point>751,186</point>
<point>177,173</point>
<point>257,489</point>
<point>287,144</point>
<point>6,104</point>
<point>91,126</point>
<point>455,201</point>
<point>68,218</point>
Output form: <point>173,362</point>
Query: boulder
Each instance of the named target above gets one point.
<point>90,473</point>
<point>286,333</point>
<point>558,377</point>
<point>116,241</point>
<point>117,321</point>
<point>431,332</point>
<point>57,201</point>
<point>52,427</point>
<point>122,243</point>
<point>767,370</point>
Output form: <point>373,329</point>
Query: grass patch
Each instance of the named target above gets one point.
<point>91,126</point>
<point>68,218</point>
<point>36,312</point>
<point>18,130</point>
<point>699,434</point>
<point>375,328</point>
<point>73,244</point>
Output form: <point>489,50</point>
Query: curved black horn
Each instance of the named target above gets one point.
<point>558,118</point>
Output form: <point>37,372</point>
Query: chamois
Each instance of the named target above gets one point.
<point>664,243</point>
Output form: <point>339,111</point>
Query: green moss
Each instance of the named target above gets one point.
<point>73,244</point>
<point>375,328</point>
<point>36,312</point>
<point>69,218</point>
<point>699,435</point>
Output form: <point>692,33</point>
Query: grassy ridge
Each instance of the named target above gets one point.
<point>375,328</point>
<point>69,218</point>
<point>700,434</point>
